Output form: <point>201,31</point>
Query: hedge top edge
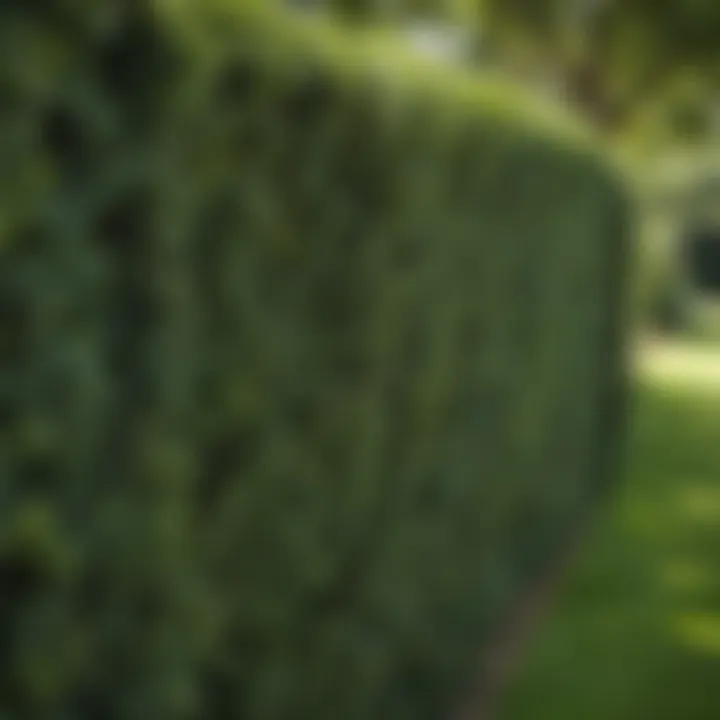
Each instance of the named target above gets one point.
<point>358,54</point>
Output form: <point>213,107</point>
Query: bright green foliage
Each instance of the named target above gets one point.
<point>306,365</point>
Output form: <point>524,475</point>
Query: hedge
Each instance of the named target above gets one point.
<point>309,361</point>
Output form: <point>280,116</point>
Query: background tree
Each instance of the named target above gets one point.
<point>612,56</point>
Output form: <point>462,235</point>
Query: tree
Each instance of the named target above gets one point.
<point>612,55</point>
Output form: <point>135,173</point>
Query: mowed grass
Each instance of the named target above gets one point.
<point>635,631</point>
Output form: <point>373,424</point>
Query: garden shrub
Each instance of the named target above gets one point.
<point>309,360</point>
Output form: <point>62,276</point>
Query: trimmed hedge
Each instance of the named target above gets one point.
<point>308,364</point>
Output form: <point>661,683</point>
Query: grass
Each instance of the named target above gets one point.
<point>635,631</point>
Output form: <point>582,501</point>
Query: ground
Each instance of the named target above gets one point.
<point>634,630</point>
<point>680,364</point>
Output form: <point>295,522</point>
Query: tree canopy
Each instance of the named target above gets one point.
<point>615,53</point>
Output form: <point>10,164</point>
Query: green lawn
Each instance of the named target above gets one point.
<point>635,631</point>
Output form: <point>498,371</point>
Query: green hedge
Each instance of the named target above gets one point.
<point>309,359</point>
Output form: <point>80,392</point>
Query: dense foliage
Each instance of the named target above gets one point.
<point>307,364</point>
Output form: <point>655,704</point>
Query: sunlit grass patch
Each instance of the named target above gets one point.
<point>635,632</point>
<point>686,576</point>
<point>698,631</point>
<point>700,503</point>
